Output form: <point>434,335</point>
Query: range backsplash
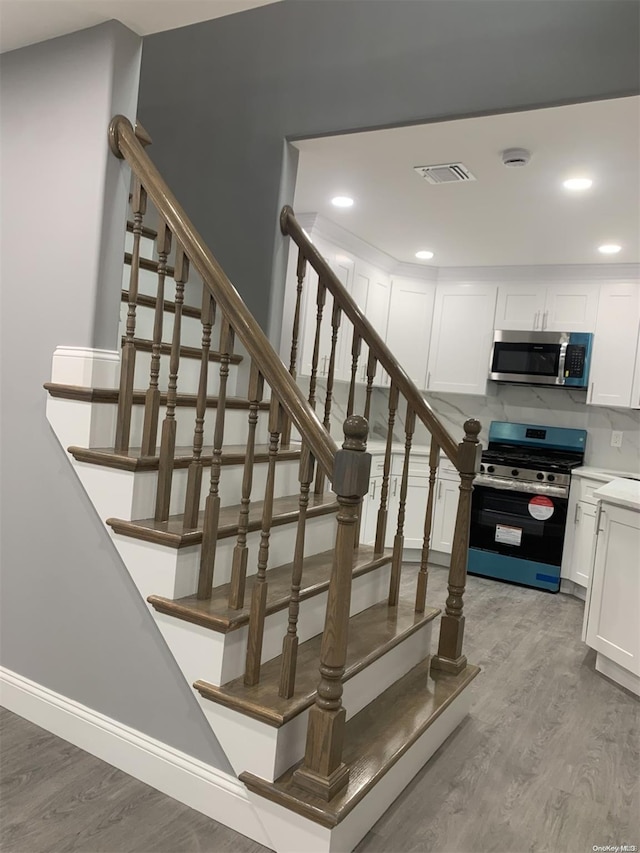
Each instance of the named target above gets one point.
<point>518,403</point>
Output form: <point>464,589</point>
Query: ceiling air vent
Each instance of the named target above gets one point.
<point>445,173</point>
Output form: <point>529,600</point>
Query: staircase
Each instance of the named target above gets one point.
<point>237,517</point>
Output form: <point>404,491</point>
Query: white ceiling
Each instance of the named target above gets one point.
<point>24,22</point>
<point>509,215</point>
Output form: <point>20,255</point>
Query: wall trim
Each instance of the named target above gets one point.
<point>214,793</point>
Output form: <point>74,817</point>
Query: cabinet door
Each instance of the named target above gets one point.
<point>370,507</point>
<point>614,606</point>
<point>584,540</point>
<point>615,346</point>
<point>571,307</point>
<point>445,510</point>
<point>461,338</point>
<point>377,286</point>
<point>520,306</point>
<point>409,326</point>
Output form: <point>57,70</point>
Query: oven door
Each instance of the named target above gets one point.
<point>517,532</point>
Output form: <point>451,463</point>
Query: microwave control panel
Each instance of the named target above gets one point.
<point>574,362</point>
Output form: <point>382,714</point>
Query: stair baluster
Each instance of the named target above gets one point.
<point>290,641</point>
<point>423,574</point>
<point>372,365</point>
<point>356,348</point>
<point>212,503</point>
<point>168,437</point>
<point>301,270</point>
<point>240,552</point>
<point>323,772</point>
<point>398,540</point>
<point>313,381</point>
<point>335,328</point>
<point>152,398</point>
<point>259,594</point>
<point>450,657</point>
<point>194,475</point>
<point>128,363</point>
<point>381,524</point>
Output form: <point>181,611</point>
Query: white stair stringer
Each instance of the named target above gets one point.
<point>267,751</point>
<point>293,833</point>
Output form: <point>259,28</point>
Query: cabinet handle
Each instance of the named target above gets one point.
<point>428,380</point>
<point>439,490</point>
<point>576,520</point>
<point>395,487</point>
<point>544,319</point>
<point>324,365</point>
<point>591,392</point>
<point>535,320</point>
<point>373,493</point>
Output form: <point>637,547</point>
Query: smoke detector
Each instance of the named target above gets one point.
<point>445,173</point>
<point>515,157</point>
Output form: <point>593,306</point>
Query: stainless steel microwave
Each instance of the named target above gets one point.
<point>541,358</point>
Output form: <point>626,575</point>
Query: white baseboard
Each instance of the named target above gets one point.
<point>200,786</point>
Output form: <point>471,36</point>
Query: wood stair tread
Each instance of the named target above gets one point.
<point>215,613</point>
<point>133,460</point>
<point>372,633</point>
<point>146,345</point>
<point>146,301</point>
<point>173,533</point>
<point>87,394</point>
<point>375,739</point>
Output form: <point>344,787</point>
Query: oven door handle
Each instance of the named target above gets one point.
<point>521,486</point>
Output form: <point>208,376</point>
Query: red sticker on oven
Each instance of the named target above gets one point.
<point>541,507</point>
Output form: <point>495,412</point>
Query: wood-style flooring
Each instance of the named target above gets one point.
<point>549,759</point>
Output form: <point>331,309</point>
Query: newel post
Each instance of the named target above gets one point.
<point>450,657</point>
<point>323,772</point>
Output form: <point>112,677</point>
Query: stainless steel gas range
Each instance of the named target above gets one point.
<point>519,503</point>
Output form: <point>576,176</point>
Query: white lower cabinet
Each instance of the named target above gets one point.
<point>445,510</point>
<point>612,612</point>
<point>579,540</point>
<point>370,507</point>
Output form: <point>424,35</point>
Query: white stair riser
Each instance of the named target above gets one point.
<point>266,751</point>
<point>177,570</point>
<point>191,644</point>
<point>291,833</point>
<point>132,494</point>
<point>190,327</point>
<point>84,424</point>
<point>188,375</point>
<point>148,285</point>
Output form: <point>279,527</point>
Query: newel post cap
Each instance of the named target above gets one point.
<point>352,465</point>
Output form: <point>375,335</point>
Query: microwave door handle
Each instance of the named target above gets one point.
<point>561,363</point>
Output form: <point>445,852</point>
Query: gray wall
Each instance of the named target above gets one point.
<point>71,618</point>
<point>219,98</point>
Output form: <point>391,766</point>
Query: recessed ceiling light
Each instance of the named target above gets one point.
<point>577,183</point>
<point>342,201</point>
<point>609,249</point>
<point>424,255</point>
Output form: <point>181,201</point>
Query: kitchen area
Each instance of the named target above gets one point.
<point>520,307</point>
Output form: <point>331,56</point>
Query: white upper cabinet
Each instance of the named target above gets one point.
<point>615,361</point>
<point>461,338</point>
<point>557,307</point>
<point>409,326</point>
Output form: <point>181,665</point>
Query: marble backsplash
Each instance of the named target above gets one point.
<point>517,403</point>
<point>534,405</point>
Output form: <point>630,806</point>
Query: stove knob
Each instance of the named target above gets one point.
<point>482,469</point>
<point>515,472</point>
<point>490,469</point>
<point>550,478</point>
<point>540,476</point>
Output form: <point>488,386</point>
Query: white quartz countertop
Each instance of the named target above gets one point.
<point>605,475</point>
<point>620,491</point>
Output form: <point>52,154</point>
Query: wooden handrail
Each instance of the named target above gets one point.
<point>125,145</point>
<point>290,226</point>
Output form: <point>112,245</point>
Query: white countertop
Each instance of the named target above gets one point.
<point>605,475</point>
<point>620,491</point>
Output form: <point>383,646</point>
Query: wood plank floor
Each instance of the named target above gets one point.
<point>549,759</point>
